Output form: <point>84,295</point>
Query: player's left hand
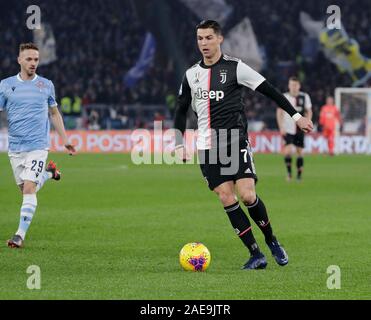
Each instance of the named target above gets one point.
<point>182,154</point>
<point>71,149</point>
<point>305,124</point>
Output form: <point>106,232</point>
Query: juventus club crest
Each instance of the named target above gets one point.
<point>197,76</point>
<point>223,76</point>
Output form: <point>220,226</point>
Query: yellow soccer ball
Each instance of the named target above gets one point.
<point>194,257</point>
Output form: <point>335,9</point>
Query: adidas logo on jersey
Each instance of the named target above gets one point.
<point>212,94</point>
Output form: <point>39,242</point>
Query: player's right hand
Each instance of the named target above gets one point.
<point>71,149</point>
<point>181,153</point>
<point>305,124</point>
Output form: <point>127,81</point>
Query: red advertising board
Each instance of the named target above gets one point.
<point>163,141</point>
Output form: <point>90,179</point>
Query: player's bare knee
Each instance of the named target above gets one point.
<point>29,188</point>
<point>248,197</point>
<point>29,191</point>
<point>226,198</point>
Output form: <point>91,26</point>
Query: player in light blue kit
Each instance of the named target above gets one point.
<point>28,99</point>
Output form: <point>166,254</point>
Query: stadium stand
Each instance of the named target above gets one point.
<point>99,43</point>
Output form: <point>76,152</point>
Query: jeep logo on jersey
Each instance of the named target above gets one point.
<point>212,94</point>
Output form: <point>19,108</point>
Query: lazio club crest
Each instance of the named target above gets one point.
<point>40,84</point>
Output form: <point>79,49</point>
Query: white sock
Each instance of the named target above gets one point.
<point>45,177</point>
<point>27,212</point>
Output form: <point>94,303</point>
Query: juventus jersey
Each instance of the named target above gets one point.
<point>301,103</point>
<point>215,94</point>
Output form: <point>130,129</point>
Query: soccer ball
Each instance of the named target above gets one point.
<point>194,257</point>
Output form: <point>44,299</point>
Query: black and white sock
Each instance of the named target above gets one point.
<point>242,226</point>
<point>288,161</point>
<point>258,213</point>
<point>299,166</point>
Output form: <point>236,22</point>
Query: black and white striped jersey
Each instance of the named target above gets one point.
<point>302,104</point>
<point>215,94</point>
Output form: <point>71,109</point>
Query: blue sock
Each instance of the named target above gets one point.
<point>27,212</point>
<point>45,177</point>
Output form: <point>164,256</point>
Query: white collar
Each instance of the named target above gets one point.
<point>20,79</point>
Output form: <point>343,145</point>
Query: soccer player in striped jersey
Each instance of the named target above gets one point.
<point>27,99</point>
<point>213,87</point>
<point>291,133</point>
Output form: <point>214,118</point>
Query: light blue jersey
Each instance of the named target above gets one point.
<point>26,103</point>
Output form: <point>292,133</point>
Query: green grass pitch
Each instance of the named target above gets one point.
<point>113,230</point>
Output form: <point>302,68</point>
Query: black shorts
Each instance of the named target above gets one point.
<point>295,139</point>
<point>216,171</point>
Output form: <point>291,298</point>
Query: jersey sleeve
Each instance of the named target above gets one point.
<point>308,102</point>
<point>282,102</point>
<point>183,103</point>
<point>247,76</point>
<point>51,99</point>
<point>2,96</point>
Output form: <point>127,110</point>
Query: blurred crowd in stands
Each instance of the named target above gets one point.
<point>98,43</point>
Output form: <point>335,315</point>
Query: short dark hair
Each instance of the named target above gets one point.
<point>294,78</point>
<point>28,45</point>
<point>212,24</point>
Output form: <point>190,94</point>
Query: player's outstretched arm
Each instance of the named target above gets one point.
<point>180,126</point>
<point>180,120</point>
<point>271,92</point>
<point>57,121</point>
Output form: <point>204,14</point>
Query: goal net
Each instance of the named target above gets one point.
<point>355,108</point>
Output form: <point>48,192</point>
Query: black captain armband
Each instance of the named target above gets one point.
<point>271,92</point>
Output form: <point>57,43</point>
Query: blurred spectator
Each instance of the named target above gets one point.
<point>158,116</point>
<point>98,43</point>
<point>124,117</point>
<point>93,120</point>
<point>171,103</point>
